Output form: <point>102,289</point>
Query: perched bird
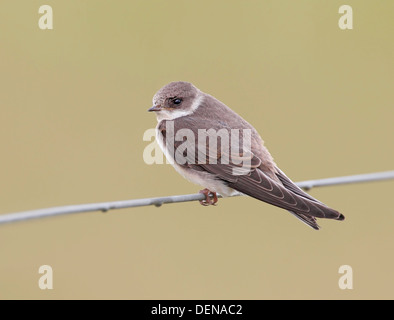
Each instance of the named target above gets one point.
<point>182,106</point>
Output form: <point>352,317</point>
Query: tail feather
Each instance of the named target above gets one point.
<point>308,220</point>
<point>290,185</point>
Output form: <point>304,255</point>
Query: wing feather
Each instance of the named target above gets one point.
<point>259,178</point>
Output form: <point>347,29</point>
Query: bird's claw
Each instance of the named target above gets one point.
<point>211,198</point>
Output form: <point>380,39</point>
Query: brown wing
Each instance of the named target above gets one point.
<point>292,186</point>
<point>261,180</point>
<point>259,185</point>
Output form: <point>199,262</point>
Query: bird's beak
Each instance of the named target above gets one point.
<point>155,108</point>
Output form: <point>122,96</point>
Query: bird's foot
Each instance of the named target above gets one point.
<point>211,198</point>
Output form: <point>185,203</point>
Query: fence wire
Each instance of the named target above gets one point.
<point>106,206</point>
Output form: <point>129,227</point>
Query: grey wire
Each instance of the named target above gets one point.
<point>368,177</point>
<point>106,206</point>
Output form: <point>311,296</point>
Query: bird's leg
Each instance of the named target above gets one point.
<point>211,198</point>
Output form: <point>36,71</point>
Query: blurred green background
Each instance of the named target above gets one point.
<point>73,110</point>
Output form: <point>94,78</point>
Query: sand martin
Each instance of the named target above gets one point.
<point>184,106</point>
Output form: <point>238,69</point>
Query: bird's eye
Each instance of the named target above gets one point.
<point>177,101</point>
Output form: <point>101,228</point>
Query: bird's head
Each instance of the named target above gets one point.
<point>174,100</point>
